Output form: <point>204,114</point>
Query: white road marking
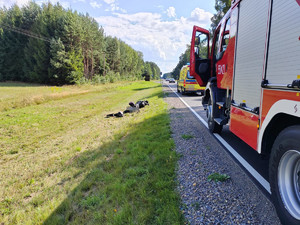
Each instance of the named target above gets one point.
<point>239,158</point>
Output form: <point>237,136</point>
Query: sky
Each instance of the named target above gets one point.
<point>160,29</point>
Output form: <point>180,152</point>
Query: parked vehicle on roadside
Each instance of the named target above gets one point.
<point>252,75</point>
<point>171,80</point>
<point>187,83</point>
<point>147,77</point>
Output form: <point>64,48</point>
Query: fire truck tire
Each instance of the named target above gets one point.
<point>284,175</point>
<point>183,91</point>
<point>178,89</point>
<point>213,126</point>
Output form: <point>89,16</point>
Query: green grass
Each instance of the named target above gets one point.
<point>62,162</point>
<point>218,177</point>
<point>187,136</point>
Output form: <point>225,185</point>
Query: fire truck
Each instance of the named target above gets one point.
<point>251,70</point>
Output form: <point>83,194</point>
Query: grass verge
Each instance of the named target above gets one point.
<point>187,136</point>
<point>218,177</point>
<point>62,162</point>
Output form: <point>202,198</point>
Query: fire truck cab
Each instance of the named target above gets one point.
<point>252,75</point>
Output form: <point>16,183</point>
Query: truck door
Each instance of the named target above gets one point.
<point>199,56</point>
<point>248,71</point>
<point>225,56</point>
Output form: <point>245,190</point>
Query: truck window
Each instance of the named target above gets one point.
<point>215,49</point>
<point>225,38</point>
<point>201,46</point>
<point>189,76</point>
<point>216,44</point>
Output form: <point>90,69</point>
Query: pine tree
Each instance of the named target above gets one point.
<point>37,51</point>
<point>12,44</point>
<point>66,67</point>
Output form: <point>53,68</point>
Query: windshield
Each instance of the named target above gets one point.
<point>189,75</point>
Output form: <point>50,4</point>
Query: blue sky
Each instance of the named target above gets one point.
<point>160,29</point>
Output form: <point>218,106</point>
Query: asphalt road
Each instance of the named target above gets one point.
<point>245,151</point>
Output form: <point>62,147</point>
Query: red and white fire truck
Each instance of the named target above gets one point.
<point>252,75</point>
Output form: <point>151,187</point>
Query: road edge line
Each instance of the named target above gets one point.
<point>237,156</point>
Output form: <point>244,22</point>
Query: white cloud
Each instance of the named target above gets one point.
<point>21,3</point>
<point>171,12</point>
<point>64,4</point>
<point>9,3</point>
<point>95,4</point>
<point>114,6</point>
<point>109,1</point>
<point>161,7</point>
<point>161,41</point>
<point>199,15</point>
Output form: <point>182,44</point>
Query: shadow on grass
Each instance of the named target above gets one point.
<point>131,180</point>
<point>158,94</point>
<point>18,84</point>
<point>145,88</point>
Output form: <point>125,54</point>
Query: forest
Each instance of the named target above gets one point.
<point>48,44</point>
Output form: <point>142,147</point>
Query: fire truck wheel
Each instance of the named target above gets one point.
<point>284,175</point>
<point>183,91</point>
<point>178,89</point>
<point>213,126</point>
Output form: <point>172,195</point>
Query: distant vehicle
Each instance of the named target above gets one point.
<point>187,83</point>
<point>171,80</point>
<point>147,78</point>
<point>167,79</point>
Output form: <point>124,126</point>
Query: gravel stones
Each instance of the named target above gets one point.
<point>234,201</point>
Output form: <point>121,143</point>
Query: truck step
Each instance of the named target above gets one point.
<point>221,121</point>
<point>220,104</point>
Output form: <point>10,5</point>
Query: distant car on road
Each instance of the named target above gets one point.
<point>171,80</point>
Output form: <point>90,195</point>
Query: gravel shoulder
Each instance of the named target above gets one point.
<point>235,201</point>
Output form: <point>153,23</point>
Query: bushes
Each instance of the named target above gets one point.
<point>97,79</point>
<point>110,77</point>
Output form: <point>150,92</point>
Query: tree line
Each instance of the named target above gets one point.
<point>51,45</point>
<point>184,58</point>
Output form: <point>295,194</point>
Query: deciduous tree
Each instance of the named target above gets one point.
<point>221,7</point>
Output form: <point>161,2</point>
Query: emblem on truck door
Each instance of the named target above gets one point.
<point>221,68</point>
